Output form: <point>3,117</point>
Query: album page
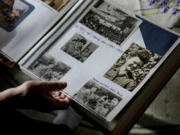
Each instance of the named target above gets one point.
<point>102,57</point>
<point>25,21</point>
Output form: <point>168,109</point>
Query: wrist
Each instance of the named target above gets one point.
<point>21,91</point>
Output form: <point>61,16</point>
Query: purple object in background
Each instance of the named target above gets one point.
<point>177,1</point>
<point>164,5</point>
<point>165,9</point>
<point>151,2</point>
<point>174,11</point>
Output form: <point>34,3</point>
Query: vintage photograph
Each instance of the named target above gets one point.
<point>132,67</point>
<point>12,11</point>
<point>110,22</point>
<point>79,48</point>
<point>57,4</point>
<point>97,98</point>
<point>49,69</point>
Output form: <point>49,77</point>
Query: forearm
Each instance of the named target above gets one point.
<point>40,95</point>
<point>9,94</point>
<point>12,97</point>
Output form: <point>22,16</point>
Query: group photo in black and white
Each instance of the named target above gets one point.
<point>79,47</point>
<point>97,98</point>
<point>110,22</point>
<point>48,68</point>
<point>132,67</point>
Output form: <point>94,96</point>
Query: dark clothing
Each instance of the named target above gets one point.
<point>12,121</point>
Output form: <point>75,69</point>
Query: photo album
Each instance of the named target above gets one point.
<point>104,52</point>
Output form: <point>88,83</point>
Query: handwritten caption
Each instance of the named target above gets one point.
<point>96,38</point>
<point>117,92</point>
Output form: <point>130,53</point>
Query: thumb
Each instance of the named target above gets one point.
<point>56,85</point>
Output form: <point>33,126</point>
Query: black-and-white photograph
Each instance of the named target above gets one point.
<point>79,48</point>
<point>97,98</point>
<point>49,69</point>
<point>110,22</point>
<point>132,67</point>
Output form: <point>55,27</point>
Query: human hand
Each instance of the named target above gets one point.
<point>43,95</point>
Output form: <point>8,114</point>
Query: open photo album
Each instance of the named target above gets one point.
<point>104,52</point>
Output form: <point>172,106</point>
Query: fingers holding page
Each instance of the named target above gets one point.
<point>61,99</point>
